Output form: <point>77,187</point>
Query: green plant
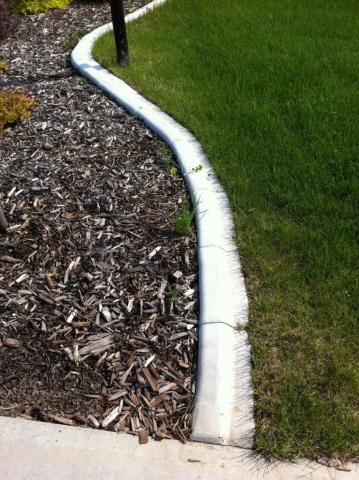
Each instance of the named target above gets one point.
<point>73,36</point>
<point>164,152</point>
<point>183,218</point>
<point>194,170</point>
<point>31,7</point>
<point>14,106</point>
<point>3,67</point>
<point>55,272</point>
<point>189,403</point>
<point>173,292</point>
<point>173,172</point>
<point>165,158</point>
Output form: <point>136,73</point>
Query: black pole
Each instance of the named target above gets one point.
<point>119,31</point>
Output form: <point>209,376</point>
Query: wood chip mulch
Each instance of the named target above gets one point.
<point>98,294</point>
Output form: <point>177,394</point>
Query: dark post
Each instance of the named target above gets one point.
<point>119,30</point>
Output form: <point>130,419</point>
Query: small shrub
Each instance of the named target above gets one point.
<point>14,106</point>
<point>30,7</point>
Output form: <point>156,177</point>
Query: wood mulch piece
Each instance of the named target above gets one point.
<point>98,294</point>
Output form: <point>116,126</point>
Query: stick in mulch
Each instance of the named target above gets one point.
<point>3,222</point>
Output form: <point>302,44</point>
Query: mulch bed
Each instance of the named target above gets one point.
<point>98,294</point>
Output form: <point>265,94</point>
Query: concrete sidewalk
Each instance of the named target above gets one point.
<point>32,450</point>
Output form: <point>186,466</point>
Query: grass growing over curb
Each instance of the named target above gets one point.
<point>271,90</point>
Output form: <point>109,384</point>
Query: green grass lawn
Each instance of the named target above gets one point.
<point>271,90</point>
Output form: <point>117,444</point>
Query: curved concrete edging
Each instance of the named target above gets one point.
<point>223,412</point>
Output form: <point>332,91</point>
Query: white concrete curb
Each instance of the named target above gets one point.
<point>223,412</point>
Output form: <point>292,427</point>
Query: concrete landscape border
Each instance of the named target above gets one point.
<point>223,412</point>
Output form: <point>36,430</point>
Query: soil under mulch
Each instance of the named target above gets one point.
<point>98,294</point>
